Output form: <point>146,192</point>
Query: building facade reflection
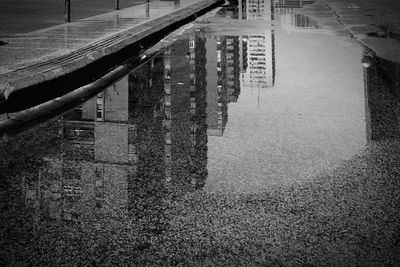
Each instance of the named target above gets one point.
<point>139,141</point>
<point>291,20</point>
<point>257,43</point>
<point>145,137</point>
<point>241,54</point>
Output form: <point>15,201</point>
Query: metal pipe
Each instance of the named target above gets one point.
<point>116,4</point>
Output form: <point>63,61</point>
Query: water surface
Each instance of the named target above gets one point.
<point>222,148</point>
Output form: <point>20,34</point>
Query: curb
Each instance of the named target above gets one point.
<point>48,110</point>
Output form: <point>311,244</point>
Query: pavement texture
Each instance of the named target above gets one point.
<point>25,16</point>
<point>376,24</point>
<point>32,58</point>
<point>43,55</point>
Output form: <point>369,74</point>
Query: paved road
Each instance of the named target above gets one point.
<point>365,18</point>
<point>381,12</point>
<point>21,16</point>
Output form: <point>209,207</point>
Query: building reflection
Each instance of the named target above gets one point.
<point>292,3</point>
<point>185,119</point>
<point>144,139</point>
<point>291,20</point>
<point>382,98</point>
<point>241,54</point>
<point>140,141</point>
<point>257,43</point>
<point>290,17</point>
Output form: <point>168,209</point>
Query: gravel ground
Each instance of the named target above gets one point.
<point>348,217</point>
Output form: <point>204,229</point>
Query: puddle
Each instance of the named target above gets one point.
<point>196,156</point>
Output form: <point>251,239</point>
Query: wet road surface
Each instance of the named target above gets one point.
<point>29,15</point>
<point>254,136</point>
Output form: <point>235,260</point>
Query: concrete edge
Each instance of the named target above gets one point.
<point>34,116</point>
<point>54,68</point>
<point>385,48</point>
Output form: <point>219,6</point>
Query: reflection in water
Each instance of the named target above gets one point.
<point>142,136</point>
<point>255,9</point>
<point>124,150</point>
<point>107,177</point>
<point>245,57</point>
<point>293,21</point>
<point>257,44</point>
<point>126,153</point>
<point>382,93</point>
<point>292,3</point>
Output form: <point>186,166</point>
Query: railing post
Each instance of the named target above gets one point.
<point>67,11</point>
<point>116,4</point>
<point>148,9</point>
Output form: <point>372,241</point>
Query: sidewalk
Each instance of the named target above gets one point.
<point>37,57</point>
<point>365,18</point>
<point>25,16</point>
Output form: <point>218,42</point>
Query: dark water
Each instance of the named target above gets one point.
<point>175,163</point>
